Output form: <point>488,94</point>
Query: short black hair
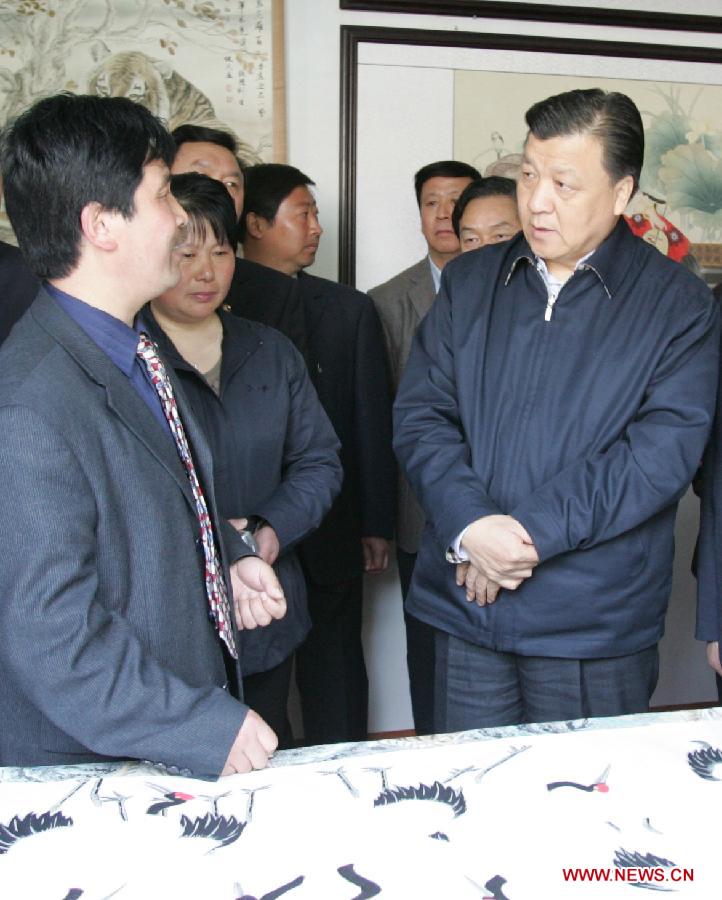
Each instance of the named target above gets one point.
<point>197,134</point>
<point>609,116</point>
<point>491,186</point>
<point>445,168</point>
<point>67,151</point>
<point>267,186</point>
<point>207,203</point>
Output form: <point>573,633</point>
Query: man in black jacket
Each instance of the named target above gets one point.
<point>18,287</point>
<point>337,330</point>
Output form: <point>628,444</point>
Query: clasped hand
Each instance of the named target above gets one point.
<point>258,597</point>
<point>713,656</point>
<point>501,554</point>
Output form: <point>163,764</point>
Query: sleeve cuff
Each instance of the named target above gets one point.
<point>456,553</point>
<point>548,538</point>
<point>234,545</point>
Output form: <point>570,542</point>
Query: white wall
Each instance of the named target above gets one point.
<point>313,98</point>
<point>386,210</point>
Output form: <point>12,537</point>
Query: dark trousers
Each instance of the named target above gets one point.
<point>719,688</point>
<point>267,694</point>
<point>480,688</point>
<point>419,653</point>
<point>330,667</point>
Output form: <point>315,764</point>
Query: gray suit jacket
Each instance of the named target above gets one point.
<point>107,649</point>
<point>402,302</point>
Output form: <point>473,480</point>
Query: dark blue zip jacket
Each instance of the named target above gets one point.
<point>275,455</point>
<point>709,545</point>
<point>587,429</point>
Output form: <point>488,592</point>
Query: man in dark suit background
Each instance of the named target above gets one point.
<point>402,302</point>
<point>108,647</point>
<point>486,213</point>
<point>18,287</point>
<point>337,330</point>
<point>211,152</point>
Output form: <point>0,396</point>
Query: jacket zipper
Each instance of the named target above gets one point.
<point>551,300</point>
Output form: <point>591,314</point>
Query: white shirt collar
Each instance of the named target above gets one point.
<point>551,281</point>
<point>435,274</point>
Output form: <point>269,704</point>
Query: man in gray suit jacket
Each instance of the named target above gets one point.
<point>402,303</point>
<point>108,649</point>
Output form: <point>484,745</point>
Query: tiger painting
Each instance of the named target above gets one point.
<point>156,85</point>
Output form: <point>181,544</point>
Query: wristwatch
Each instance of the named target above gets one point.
<point>249,541</point>
<point>254,523</point>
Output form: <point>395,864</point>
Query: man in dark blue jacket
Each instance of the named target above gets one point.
<point>709,545</point>
<point>554,409</point>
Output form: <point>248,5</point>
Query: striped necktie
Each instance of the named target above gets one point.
<point>215,582</point>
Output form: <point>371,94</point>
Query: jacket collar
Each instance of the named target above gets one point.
<point>420,272</point>
<point>121,397</point>
<point>55,321</point>
<point>610,262</point>
<point>149,324</point>
<point>244,342</point>
<point>310,285</point>
<point>422,292</point>
<point>315,299</point>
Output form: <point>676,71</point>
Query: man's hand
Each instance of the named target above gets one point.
<point>713,656</point>
<point>253,745</point>
<point>266,540</point>
<point>257,595</point>
<point>478,586</point>
<point>268,546</point>
<point>500,549</point>
<point>376,554</point>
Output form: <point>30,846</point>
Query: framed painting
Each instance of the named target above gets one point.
<point>217,63</point>
<point>630,13</point>
<point>409,97</point>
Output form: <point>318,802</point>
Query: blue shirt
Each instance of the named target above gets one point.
<point>117,341</point>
